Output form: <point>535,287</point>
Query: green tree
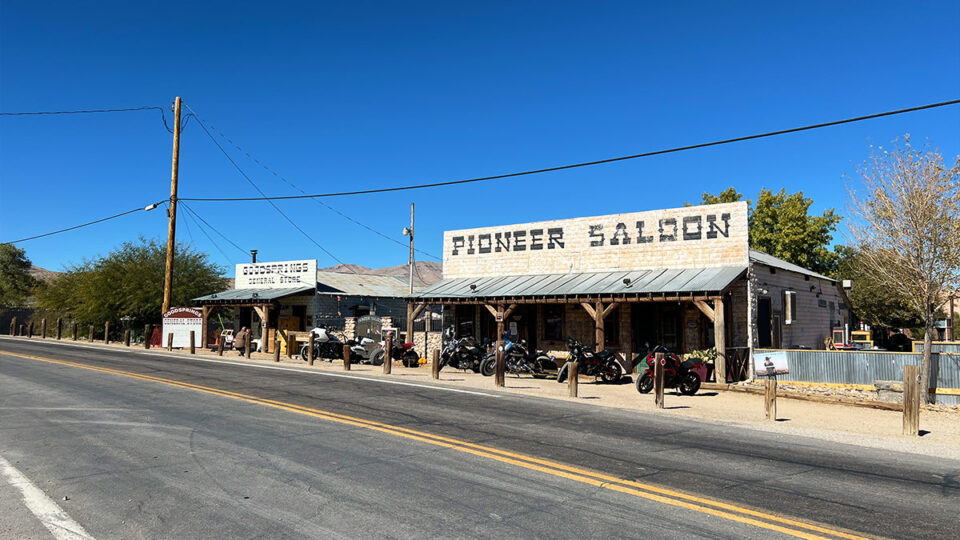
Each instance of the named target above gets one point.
<point>871,299</point>
<point>780,224</point>
<point>15,279</point>
<point>129,282</point>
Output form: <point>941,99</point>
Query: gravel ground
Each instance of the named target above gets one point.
<point>940,426</point>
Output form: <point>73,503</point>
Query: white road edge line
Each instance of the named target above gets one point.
<point>297,370</point>
<point>60,525</point>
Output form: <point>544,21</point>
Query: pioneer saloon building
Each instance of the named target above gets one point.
<point>684,278</point>
<point>295,296</point>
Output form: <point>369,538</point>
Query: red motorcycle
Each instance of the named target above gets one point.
<point>684,375</point>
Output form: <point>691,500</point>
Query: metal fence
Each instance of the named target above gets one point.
<point>939,346</point>
<point>865,367</point>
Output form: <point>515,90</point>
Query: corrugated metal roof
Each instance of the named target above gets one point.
<point>244,295</point>
<point>770,260</point>
<point>665,280</point>
<point>361,284</point>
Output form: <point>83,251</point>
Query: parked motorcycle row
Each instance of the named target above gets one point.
<point>366,350</point>
<point>466,354</point>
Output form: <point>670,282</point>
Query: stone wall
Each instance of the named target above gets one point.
<point>690,237</point>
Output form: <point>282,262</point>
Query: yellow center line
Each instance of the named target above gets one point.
<point>647,491</point>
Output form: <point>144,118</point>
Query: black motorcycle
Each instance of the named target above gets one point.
<point>602,365</point>
<point>463,353</point>
<point>517,360</point>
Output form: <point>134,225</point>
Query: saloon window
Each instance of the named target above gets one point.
<point>553,322</point>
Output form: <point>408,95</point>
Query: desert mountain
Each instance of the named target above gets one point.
<point>424,272</point>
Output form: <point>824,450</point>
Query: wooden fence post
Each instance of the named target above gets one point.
<point>911,400</point>
<point>74,331</point>
<point>23,330</point>
<point>387,356</point>
<point>126,337</point>
<point>30,329</point>
<point>770,399</point>
<point>59,327</point>
<point>193,343</point>
<point>13,327</point>
<point>170,341</point>
<point>43,329</point>
<point>310,343</point>
<point>573,378</point>
<point>658,380</point>
<point>106,333</point>
<point>435,365</point>
<point>276,349</point>
<point>147,334</point>
<point>220,341</point>
<point>346,357</point>
<point>291,345</point>
<point>90,334</point>
<point>249,345</point>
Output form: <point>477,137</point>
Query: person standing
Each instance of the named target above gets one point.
<point>240,340</point>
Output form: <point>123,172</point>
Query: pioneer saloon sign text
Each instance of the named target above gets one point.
<point>711,235</point>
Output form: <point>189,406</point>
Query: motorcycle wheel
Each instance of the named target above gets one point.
<point>562,374</point>
<point>411,358</point>
<point>377,358</point>
<point>488,366</point>
<point>690,384</point>
<point>645,383</point>
<point>611,372</point>
<point>303,353</point>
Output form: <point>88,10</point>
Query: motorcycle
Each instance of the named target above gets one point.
<point>603,365</point>
<point>461,353</point>
<point>684,375</point>
<point>370,351</point>
<point>325,346</point>
<point>517,359</point>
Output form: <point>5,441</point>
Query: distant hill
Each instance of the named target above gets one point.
<point>43,274</point>
<point>424,272</point>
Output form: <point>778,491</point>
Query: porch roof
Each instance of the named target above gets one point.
<point>249,296</point>
<point>674,281</point>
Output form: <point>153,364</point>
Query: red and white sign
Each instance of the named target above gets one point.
<point>179,322</point>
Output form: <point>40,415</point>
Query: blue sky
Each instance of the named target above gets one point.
<point>358,95</point>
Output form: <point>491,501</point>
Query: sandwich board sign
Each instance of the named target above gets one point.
<point>770,363</point>
<point>179,322</point>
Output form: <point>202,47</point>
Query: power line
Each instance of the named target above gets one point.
<point>256,187</point>
<point>214,229</point>
<point>87,224</point>
<point>586,163</point>
<point>87,111</point>
<point>321,203</point>
<point>217,246</point>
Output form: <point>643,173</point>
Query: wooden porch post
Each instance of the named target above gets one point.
<point>720,341</point>
<point>265,333</point>
<point>410,317</point>
<point>499,373</point>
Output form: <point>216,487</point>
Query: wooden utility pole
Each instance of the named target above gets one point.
<point>172,228</point>
<point>410,314</point>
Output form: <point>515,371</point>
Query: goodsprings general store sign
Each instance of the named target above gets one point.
<point>276,275</point>
<point>694,236</point>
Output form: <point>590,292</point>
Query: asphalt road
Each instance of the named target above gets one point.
<point>150,446</point>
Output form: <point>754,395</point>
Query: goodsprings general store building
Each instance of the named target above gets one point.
<point>683,277</point>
